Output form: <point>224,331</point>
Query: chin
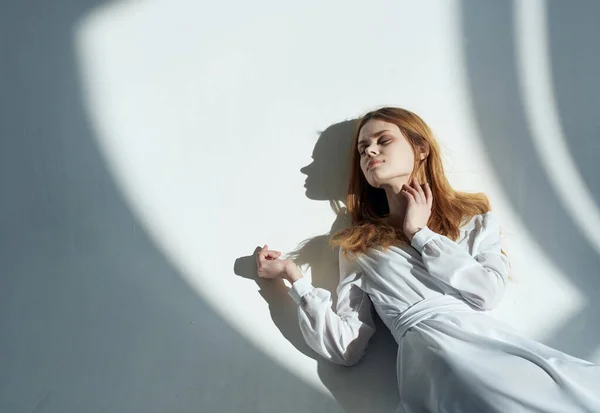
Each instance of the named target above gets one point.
<point>376,183</point>
<point>376,180</point>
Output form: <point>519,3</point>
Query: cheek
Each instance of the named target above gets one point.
<point>408,157</point>
<point>363,166</point>
<point>404,156</point>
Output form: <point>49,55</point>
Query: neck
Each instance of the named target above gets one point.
<point>396,201</point>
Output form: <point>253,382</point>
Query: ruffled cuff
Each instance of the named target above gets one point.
<point>422,237</point>
<point>299,288</point>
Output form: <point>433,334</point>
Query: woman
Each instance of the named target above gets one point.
<point>428,259</point>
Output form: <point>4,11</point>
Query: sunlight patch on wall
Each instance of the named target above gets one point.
<point>160,148</point>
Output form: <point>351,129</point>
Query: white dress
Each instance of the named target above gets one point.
<point>452,357</point>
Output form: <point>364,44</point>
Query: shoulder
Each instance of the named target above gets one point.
<point>348,264</point>
<point>487,221</point>
<point>490,221</point>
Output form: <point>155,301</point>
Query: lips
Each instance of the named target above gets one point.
<point>373,163</point>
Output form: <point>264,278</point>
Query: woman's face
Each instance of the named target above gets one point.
<point>386,157</point>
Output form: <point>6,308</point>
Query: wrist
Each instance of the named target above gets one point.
<point>292,273</point>
<point>411,233</point>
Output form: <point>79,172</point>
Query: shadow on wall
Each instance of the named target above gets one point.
<point>371,385</point>
<point>92,317</point>
<point>489,43</point>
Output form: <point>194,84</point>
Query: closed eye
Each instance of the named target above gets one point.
<point>381,142</point>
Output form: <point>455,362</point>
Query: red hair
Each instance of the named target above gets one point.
<point>368,207</point>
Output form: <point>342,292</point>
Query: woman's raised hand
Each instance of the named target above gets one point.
<point>418,209</point>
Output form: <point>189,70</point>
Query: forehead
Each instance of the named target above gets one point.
<point>376,125</point>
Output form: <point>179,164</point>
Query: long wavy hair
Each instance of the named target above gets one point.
<point>371,224</point>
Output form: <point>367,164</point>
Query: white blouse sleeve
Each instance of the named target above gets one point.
<point>340,336</point>
<point>479,278</point>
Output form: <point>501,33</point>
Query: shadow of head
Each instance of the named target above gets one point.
<point>327,176</point>
<point>327,179</point>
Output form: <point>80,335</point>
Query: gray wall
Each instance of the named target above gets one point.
<point>94,319</point>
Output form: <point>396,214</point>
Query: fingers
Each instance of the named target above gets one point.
<point>260,254</point>
<point>428,195</point>
<point>272,254</point>
<point>265,254</point>
<point>419,190</point>
<point>268,264</point>
<point>414,192</point>
<point>408,193</point>
<point>270,269</point>
<point>425,194</point>
<point>418,193</point>
<point>261,260</point>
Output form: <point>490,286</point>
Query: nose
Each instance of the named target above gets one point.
<point>372,150</point>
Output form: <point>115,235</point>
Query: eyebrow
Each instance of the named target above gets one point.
<point>376,134</point>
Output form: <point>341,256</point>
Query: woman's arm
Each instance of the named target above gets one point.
<point>340,336</point>
<point>479,278</point>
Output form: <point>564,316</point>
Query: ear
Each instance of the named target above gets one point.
<point>423,152</point>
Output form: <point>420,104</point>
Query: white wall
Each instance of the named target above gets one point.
<point>148,147</point>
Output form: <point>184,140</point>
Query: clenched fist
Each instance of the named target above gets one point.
<point>269,265</point>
